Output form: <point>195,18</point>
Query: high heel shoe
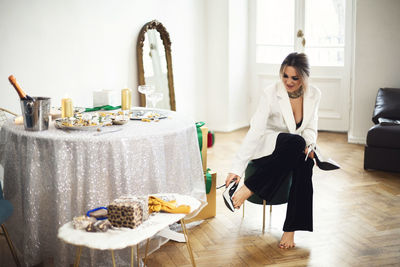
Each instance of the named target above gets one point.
<point>224,185</point>
<point>322,163</point>
<point>228,193</point>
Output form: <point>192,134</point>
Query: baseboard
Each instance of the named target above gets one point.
<point>229,128</point>
<point>356,139</point>
<point>237,126</point>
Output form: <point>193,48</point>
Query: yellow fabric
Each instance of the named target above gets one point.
<point>157,204</point>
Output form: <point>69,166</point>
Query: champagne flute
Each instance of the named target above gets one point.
<point>146,90</point>
<point>155,97</point>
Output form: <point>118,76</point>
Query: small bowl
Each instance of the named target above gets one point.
<point>119,122</point>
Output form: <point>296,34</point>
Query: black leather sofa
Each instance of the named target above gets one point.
<point>382,151</point>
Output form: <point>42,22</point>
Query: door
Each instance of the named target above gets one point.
<point>321,29</point>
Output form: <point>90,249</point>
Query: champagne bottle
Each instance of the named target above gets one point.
<point>21,93</point>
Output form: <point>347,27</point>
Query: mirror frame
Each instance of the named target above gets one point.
<point>154,24</point>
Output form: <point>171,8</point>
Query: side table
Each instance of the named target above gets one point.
<point>120,238</point>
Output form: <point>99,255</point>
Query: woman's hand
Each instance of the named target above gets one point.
<point>230,177</point>
<point>311,155</point>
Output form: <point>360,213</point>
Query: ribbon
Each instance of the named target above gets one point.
<point>96,209</point>
<point>106,107</point>
<point>208,181</point>
<point>200,134</point>
<point>200,139</point>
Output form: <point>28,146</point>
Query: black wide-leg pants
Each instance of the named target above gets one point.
<point>287,157</point>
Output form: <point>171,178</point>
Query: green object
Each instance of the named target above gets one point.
<point>200,134</point>
<point>280,197</point>
<point>200,140</point>
<point>106,107</point>
<point>208,181</point>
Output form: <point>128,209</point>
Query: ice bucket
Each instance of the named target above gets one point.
<point>36,113</point>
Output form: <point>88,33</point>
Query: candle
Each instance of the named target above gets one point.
<point>66,108</point>
<point>126,99</point>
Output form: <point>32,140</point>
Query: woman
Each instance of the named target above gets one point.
<point>282,128</point>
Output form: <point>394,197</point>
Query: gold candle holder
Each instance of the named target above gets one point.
<point>67,109</point>
<point>126,99</point>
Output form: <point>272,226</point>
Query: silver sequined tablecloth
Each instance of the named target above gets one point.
<point>54,175</point>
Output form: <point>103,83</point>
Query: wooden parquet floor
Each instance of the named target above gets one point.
<point>356,218</point>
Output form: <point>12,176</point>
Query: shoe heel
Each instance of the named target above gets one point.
<point>219,187</point>
<point>223,185</point>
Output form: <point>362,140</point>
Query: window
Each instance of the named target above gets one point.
<point>323,24</point>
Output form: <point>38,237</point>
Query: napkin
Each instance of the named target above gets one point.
<point>157,204</point>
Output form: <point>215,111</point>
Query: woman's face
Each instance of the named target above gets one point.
<point>290,79</point>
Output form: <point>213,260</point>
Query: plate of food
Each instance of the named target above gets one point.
<point>56,112</point>
<point>84,122</point>
<point>147,114</point>
<point>120,120</point>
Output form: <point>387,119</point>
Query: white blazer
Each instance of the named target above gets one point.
<point>274,115</point>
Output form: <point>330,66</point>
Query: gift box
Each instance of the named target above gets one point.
<point>128,211</point>
<point>210,210</point>
<point>106,97</point>
<point>204,132</point>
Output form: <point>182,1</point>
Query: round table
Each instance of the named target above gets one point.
<point>53,175</point>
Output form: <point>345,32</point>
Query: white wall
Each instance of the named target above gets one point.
<point>376,60</point>
<point>239,91</point>
<point>217,75</point>
<point>59,48</point>
<point>227,64</point>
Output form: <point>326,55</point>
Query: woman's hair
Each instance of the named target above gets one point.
<point>299,61</point>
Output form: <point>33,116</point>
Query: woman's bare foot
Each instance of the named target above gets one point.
<point>240,196</point>
<point>287,240</point>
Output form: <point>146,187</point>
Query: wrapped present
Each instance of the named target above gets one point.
<point>81,222</point>
<point>106,97</point>
<point>210,210</point>
<point>210,138</point>
<point>128,211</point>
<point>99,226</point>
<point>202,132</point>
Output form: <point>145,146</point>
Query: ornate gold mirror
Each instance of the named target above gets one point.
<point>155,63</point>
